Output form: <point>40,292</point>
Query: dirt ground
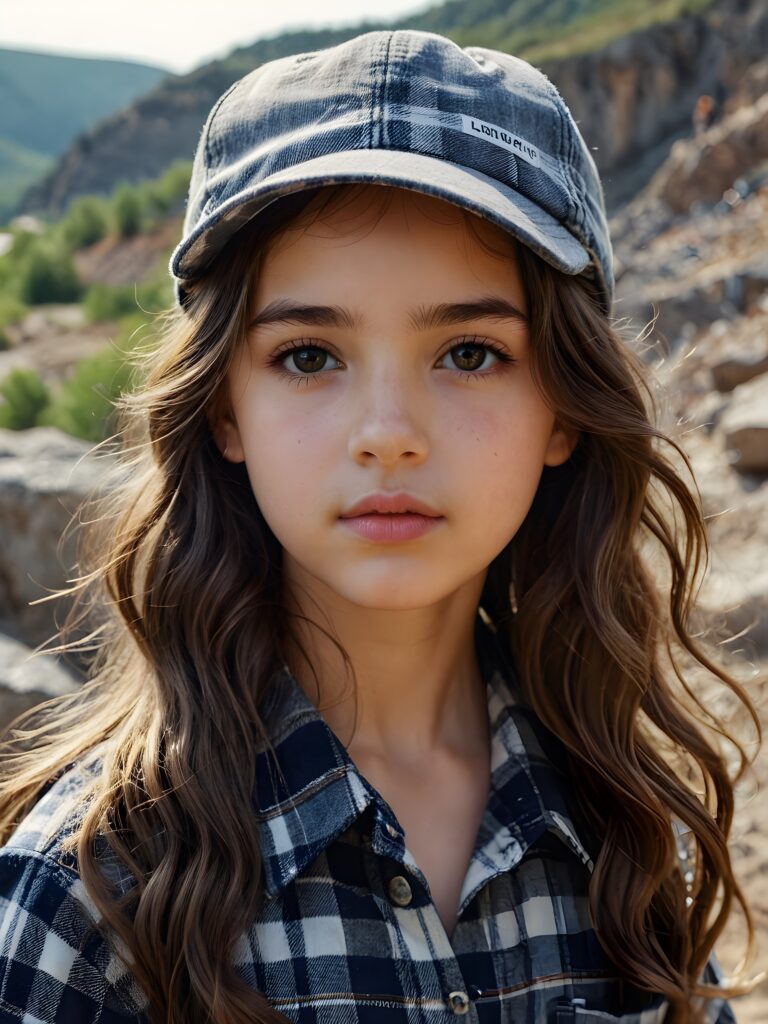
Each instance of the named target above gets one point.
<point>51,339</point>
<point>749,851</point>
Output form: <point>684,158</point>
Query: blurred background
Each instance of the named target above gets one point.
<point>101,107</point>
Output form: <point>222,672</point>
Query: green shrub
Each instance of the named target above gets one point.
<point>11,310</point>
<point>167,194</point>
<point>112,302</point>
<point>86,222</point>
<point>127,211</point>
<point>23,242</point>
<point>46,273</point>
<point>173,186</point>
<point>131,335</point>
<point>84,405</point>
<point>142,207</point>
<point>109,302</point>
<point>25,396</point>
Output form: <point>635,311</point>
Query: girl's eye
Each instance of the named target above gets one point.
<point>469,355</point>
<point>308,359</point>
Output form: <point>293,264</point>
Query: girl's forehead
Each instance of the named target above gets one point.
<point>353,246</point>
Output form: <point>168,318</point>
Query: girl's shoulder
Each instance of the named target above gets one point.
<point>55,965</point>
<point>57,812</point>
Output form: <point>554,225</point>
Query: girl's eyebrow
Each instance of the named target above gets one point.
<point>285,311</point>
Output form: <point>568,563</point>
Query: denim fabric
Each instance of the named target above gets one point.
<point>477,127</point>
<point>348,932</point>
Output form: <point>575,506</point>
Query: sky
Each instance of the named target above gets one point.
<point>178,35</point>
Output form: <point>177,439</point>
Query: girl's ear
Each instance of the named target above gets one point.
<point>226,435</point>
<point>562,441</point>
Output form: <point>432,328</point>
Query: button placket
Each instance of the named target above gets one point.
<point>458,1001</point>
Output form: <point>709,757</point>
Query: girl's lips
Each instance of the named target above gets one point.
<point>389,503</point>
<point>398,526</point>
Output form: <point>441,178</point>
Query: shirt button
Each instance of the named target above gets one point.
<point>400,891</point>
<point>458,1002</point>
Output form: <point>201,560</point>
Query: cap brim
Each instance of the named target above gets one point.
<point>463,186</point>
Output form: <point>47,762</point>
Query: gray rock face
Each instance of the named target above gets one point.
<point>27,678</point>
<point>708,263</point>
<point>44,474</point>
<point>738,369</point>
<point>701,271</point>
<point>695,172</point>
<point>745,426</point>
<point>734,596</point>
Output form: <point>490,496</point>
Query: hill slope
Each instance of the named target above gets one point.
<point>632,97</point>
<point>47,100</point>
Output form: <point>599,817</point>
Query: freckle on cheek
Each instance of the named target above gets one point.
<point>484,425</point>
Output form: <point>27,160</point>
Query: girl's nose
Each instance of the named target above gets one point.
<point>389,421</point>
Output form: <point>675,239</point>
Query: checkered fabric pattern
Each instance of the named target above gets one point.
<point>348,932</point>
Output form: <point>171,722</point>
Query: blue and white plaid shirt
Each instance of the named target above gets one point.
<point>348,932</point>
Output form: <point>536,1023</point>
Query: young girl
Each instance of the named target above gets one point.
<point>394,597</point>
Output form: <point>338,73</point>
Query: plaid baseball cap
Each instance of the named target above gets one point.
<point>479,128</point>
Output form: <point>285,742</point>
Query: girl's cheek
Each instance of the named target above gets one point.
<point>298,449</point>
<point>487,427</point>
<point>486,434</point>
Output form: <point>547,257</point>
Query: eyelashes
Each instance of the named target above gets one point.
<point>277,359</point>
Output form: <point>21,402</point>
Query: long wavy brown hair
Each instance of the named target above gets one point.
<point>180,579</point>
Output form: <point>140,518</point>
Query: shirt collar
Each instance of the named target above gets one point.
<point>321,791</point>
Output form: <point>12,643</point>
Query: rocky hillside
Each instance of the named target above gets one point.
<point>692,256</point>
<point>632,97</point>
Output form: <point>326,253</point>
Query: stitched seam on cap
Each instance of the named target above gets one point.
<point>566,156</point>
<point>377,109</point>
<point>580,188</point>
<point>211,119</point>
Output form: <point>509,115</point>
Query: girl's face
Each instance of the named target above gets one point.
<point>380,393</point>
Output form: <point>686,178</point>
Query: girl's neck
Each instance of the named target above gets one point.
<point>420,693</point>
